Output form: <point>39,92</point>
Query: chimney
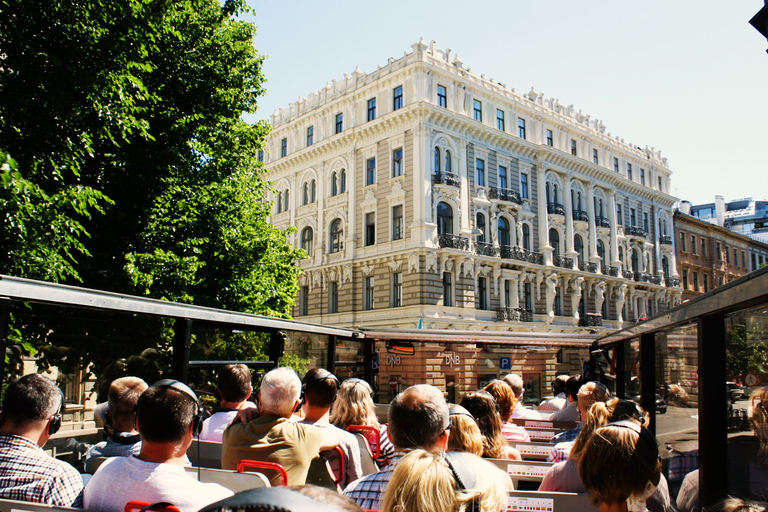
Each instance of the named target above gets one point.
<point>685,207</point>
<point>720,210</point>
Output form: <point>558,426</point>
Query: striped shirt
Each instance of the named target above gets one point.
<point>368,491</point>
<point>512,432</point>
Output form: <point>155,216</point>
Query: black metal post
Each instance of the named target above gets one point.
<point>713,420</point>
<point>648,377</point>
<point>621,385</point>
<point>5,321</point>
<point>330,362</point>
<point>368,371</point>
<point>182,341</point>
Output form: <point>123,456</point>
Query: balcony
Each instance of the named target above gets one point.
<point>613,271</point>
<point>635,231</point>
<point>486,249</point>
<point>665,240</point>
<point>514,315</point>
<point>562,261</point>
<point>628,274</point>
<point>517,253</point>
<point>504,194</point>
<point>555,208</point>
<point>579,215</point>
<point>657,280</point>
<point>602,222</point>
<point>673,282</point>
<point>591,320</point>
<point>586,266</point>
<point>446,178</point>
<point>453,242</point>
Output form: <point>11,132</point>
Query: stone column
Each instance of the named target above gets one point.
<point>614,257</point>
<point>592,224</point>
<point>570,252</point>
<point>541,196</point>
<point>464,199</point>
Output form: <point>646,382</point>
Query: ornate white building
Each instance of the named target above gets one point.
<point>425,192</point>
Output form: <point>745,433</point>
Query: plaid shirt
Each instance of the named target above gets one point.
<point>369,490</point>
<point>567,435</point>
<point>111,448</point>
<point>27,473</point>
<point>560,452</point>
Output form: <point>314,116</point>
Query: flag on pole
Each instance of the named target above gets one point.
<point>421,322</point>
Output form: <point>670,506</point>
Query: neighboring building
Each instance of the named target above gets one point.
<point>744,216</point>
<point>426,194</point>
<point>710,255</point>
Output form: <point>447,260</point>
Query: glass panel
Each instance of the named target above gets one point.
<point>306,351</point>
<point>349,359</point>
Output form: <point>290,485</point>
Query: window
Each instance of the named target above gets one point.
<point>526,237</point>
<point>310,135</point>
<point>632,217</point>
<point>504,233</point>
<point>558,306</point>
<point>286,201</point>
<point>333,297</point>
<point>307,237</point>
<point>279,205</point>
<point>743,259</point>
<point>693,245</point>
<point>368,293</point>
<point>312,191</point>
<point>371,109</point>
<point>480,224</point>
<point>343,180</point>
<point>336,234</point>
<point>573,147</point>
<point>645,222</point>
<point>521,127</point>
<point>500,119</point>
<point>660,187</point>
<point>727,255</point>
<point>527,296</point>
<point>370,228</point>
<point>735,257</point>
<point>444,219</point>
<point>447,289</point>
<point>482,293</point>
<point>719,254</point>
<point>523,185</point>
<point>334,184</point>
<point>397,222</point>
<point>601,254</point>
<point>437,159</point>
<point>397,97</point>
<point>754,261</point>
<point>615,164</point>
<point>448,161</point>
<point>480,172</point>
<point>370,171</point>
<point>706,282</point>
<point>554,241</point>
<point>507,293</point>
<point>502,177</point>
<point>619,215</point>
<point>550,139</point>
<point>696,281</point>
<point>642,176</point>
<point>305,194</point>
<point>261,155</point>
<point>396,291</point>
<point>594,155</point>
<point>478,110</point>
<point>397,162</point>
<point>578,246</point>
<point>339,122</point>
<point>629,172</point>
<point>304,301</point>
<point>442,97</point>
<point>682,242</point>
<point>284,147</point>
<point>685,279</point>
<point>703,247</point>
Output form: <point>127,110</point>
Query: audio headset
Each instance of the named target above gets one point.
<point>643,432</point>
<point>55,424</point>
<point>466,480</point>
<point>321,375</point>
<point>197,422</point>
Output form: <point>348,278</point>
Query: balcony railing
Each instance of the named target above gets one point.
<point>514,315</point>
<point>555,208</point>
<point>613,271</point>
<point>453,241</point>
<point>446,178</point>
<point>657,279</point>
<point>504,194</point>
<point>586,266</point>
<point>579,215</point>
<point>665,240</point>
<point>628,274</point>
<point>591,320</point>
<point>635,231</point>
<point>673,282</point>
<point>517,253</point>
<point>602,222</point>
<point>486,249</point>
<point>562,261</point>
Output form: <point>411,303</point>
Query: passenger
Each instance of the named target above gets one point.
<point>758,420</point>
<point>355,407</point>
<point>418,418</point>
<point>168,416</point>
<point>464,435</point>
<point>272,436</point>
<point>120,426</point>
<point>560,399</point>
<point>688,495</point>
<point>620,466</point>
<point>446,482</point>
<point>737,505</point>
<point>505,398</point>
<point>32,410</point>
<point>589,393</point>
<point>233,390</point>
<point>294,498</point>
<point>570,412</point>
<point>320,389</point>
<point>516,383</point>
<point>482,406</point>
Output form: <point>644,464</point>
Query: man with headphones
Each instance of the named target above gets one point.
<point>168,416</point>
<point>318,391</point>
<point>32,410</point>
<point>233,390</point>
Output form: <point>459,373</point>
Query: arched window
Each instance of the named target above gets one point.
<point>549,193</point>
<point>286,201</point>
<point>554,193</point>
<point>437,159</point>
<point>448,162</point>
<point>635,261</point>
<point>279,202</point>
<point>334,184</point>
<point>480,224</point>
<point>554,241</point>
<point>578,246</point>
<point>601,253</point>
<point>313,191</point>
<point>336,236</point>
<point>526,237</point>
<point>343,182</point>
<point>665,266</point>
<point>504,231</point>
<point>307,236</point>
<point>444,219</point>
<point>305,194</point>
<point>621,254</point>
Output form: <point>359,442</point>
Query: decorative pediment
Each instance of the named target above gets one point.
<point>394,265</point>
<point>346,273</point>
<point>413,262</point>
<point>367,270</point>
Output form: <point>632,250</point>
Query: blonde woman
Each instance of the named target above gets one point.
<point>446,482</point>
<point>464,435</point>
<point>354,406</point>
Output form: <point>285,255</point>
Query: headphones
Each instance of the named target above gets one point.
<point>458,410</point>
<point>197,421</point>
<point>466,479</point>
<point>643,432</point>
<point>55,424</point>
<point>321,375</point>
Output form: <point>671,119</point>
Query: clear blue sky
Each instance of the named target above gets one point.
<point>688,78</point>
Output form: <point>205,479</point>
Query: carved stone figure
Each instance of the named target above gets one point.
<point>551,290</point>
<point>621,293</point>
<point>576,296</point>
<point>413,262</point>
<point>599,296</point>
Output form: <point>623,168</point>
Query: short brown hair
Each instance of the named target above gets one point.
<point>234,382</point>
<point>504,396</point>
<point>123,395</point>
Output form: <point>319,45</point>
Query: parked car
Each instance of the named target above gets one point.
<point>735,392</point>
<point>661,405</point>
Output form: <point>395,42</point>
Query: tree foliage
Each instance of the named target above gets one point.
<point>746,352</point>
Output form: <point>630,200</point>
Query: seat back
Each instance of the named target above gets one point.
<point>26,506</point>
<point>544,424</point>
<point>525,475</point>
<point>268,468</point>
<point>372,434</point>
<point>549,501</point>
<point>533,451</point>
<point>232,480</point>
<point>366,457</point>
<point>205,454</point>
<point>136,506</point>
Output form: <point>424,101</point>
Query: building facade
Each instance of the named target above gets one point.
<point>745,216</point>
<point>426,195</point>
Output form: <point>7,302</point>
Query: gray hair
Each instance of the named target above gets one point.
<point>516,383</point>
<point>280,389</point>
<point>418,417</point>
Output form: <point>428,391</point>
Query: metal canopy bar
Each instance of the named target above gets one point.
<point>751,289</point>
<point>214,365</point>
<point>39,291</point>
<point>486,337</point>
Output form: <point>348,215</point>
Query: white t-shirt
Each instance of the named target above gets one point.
<point>123,479</point>
<point>213,427</point>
